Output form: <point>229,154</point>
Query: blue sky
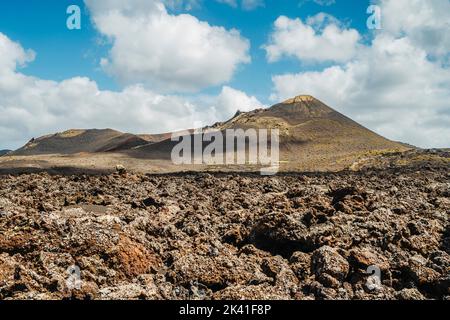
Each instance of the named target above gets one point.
<point>63,53</point>
<point>149,66</point>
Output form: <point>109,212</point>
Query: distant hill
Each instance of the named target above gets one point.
<point>313,134</point>
<point>76,141</point>
<point>3,152</point>
<point>313,137</point>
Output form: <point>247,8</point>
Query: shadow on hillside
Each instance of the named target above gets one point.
<point>184,171</point>
<point>65,171</point>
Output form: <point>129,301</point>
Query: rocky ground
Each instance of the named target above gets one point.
<point>227,236</point>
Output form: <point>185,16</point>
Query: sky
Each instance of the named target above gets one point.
<point>150,66</point>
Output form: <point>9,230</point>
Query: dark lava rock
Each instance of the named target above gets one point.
<point>227,236</point>
<point>329,266</point>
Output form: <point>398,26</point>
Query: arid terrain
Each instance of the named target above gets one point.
<point>230,236</point>
<point>313,137</point>
<point>100,214</point>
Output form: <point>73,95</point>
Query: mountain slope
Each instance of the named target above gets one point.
<point>3,152</point>
<point>306,120</point>
<point>313,136</point>
<point>76,141</point>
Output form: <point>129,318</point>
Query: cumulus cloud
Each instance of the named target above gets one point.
<point>399,85</point>
<point>229,98</point>
<point>170,53</point>
<point>308,42</point>
<point>32,107</point>
<point>13,54</point>
<point>425,23</point>
<point>182,4</point>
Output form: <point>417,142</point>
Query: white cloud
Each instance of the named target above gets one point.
<point>182,4</point>
<point>293,37</point>
<point>398,86</point>
<point>425,23</point>
<point>322,20</point>
<point>130,8</point>
<point>13,54</point>
<point>32,107</point>
<point>170,53</point>
<point>229,98</point>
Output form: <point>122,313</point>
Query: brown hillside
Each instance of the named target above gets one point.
<point>313,135</point>
<point>76,141</point>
